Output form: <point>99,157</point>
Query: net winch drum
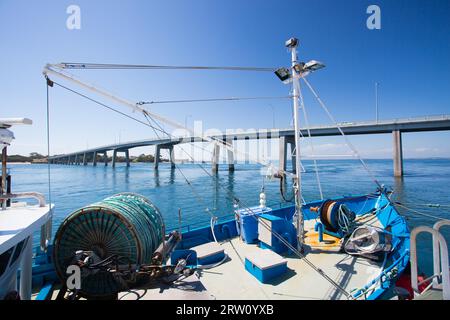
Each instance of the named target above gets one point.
<point>126,224</point>
<point>369,242</point>
<point>334,216</point>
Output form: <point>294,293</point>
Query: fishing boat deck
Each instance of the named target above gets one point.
<point>230,280</point>
<point>20,221</point>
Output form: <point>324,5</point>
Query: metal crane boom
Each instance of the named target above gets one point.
<point>57,70</point>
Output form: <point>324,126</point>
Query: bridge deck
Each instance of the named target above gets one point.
<point>420,124</point>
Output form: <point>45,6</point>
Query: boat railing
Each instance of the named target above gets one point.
<point>194,225</point>
<point>440,259</point>
<point>436,258</point>
<point>36,195</point>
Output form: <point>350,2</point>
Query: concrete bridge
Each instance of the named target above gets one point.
<point>286,136</point>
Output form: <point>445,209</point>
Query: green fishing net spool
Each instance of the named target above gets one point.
<point>126,224</point>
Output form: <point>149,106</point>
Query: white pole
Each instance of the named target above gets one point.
<point>297,182</point>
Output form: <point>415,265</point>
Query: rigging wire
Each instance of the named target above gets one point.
<point>350,145</point>
<point>148,118</point>
<point>76,65</point>
<point>302,104</point>
<point>295,150</point>
<point>283,178</point>
<point>419,212</point>
<point>187,153</point>
<point>48,226</point>
<point>213,217</point>
<point>429,205</point>
<point>432,205</point>
<point>212,100</point>
<point>48,139</point>
<point>189,183</point>
<point>148,124</point>
<point>102,104</point>
<point>424,203</point>
<point>406,206</point>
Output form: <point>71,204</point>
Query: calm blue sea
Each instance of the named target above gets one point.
<point>72,187</point>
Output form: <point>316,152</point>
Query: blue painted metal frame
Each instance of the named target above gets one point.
<point>389,217</point>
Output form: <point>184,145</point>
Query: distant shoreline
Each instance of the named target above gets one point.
<point>25,162</point>
<point>239,162</point>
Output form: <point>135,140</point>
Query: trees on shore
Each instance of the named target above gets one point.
<point>35,157</point>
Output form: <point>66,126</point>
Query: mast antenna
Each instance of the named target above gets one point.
<point>292,45</point>
<point>287,75</point>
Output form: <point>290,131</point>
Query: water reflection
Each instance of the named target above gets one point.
<point>127,175</point>
<point>399,191</point>
<point>156,177</point>
<point>231,181</point>
<point>172,176</point>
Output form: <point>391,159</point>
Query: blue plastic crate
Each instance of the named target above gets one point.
<point>248,222</point>
<point>265,265</point>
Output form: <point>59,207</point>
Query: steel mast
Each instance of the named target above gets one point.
<point>292,45</point>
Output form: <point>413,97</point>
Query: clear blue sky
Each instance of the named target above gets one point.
<point>409,57</point>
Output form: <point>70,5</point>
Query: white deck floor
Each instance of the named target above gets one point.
<point>231,281</point>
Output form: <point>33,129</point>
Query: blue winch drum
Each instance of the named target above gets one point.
<point>127,225</point>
